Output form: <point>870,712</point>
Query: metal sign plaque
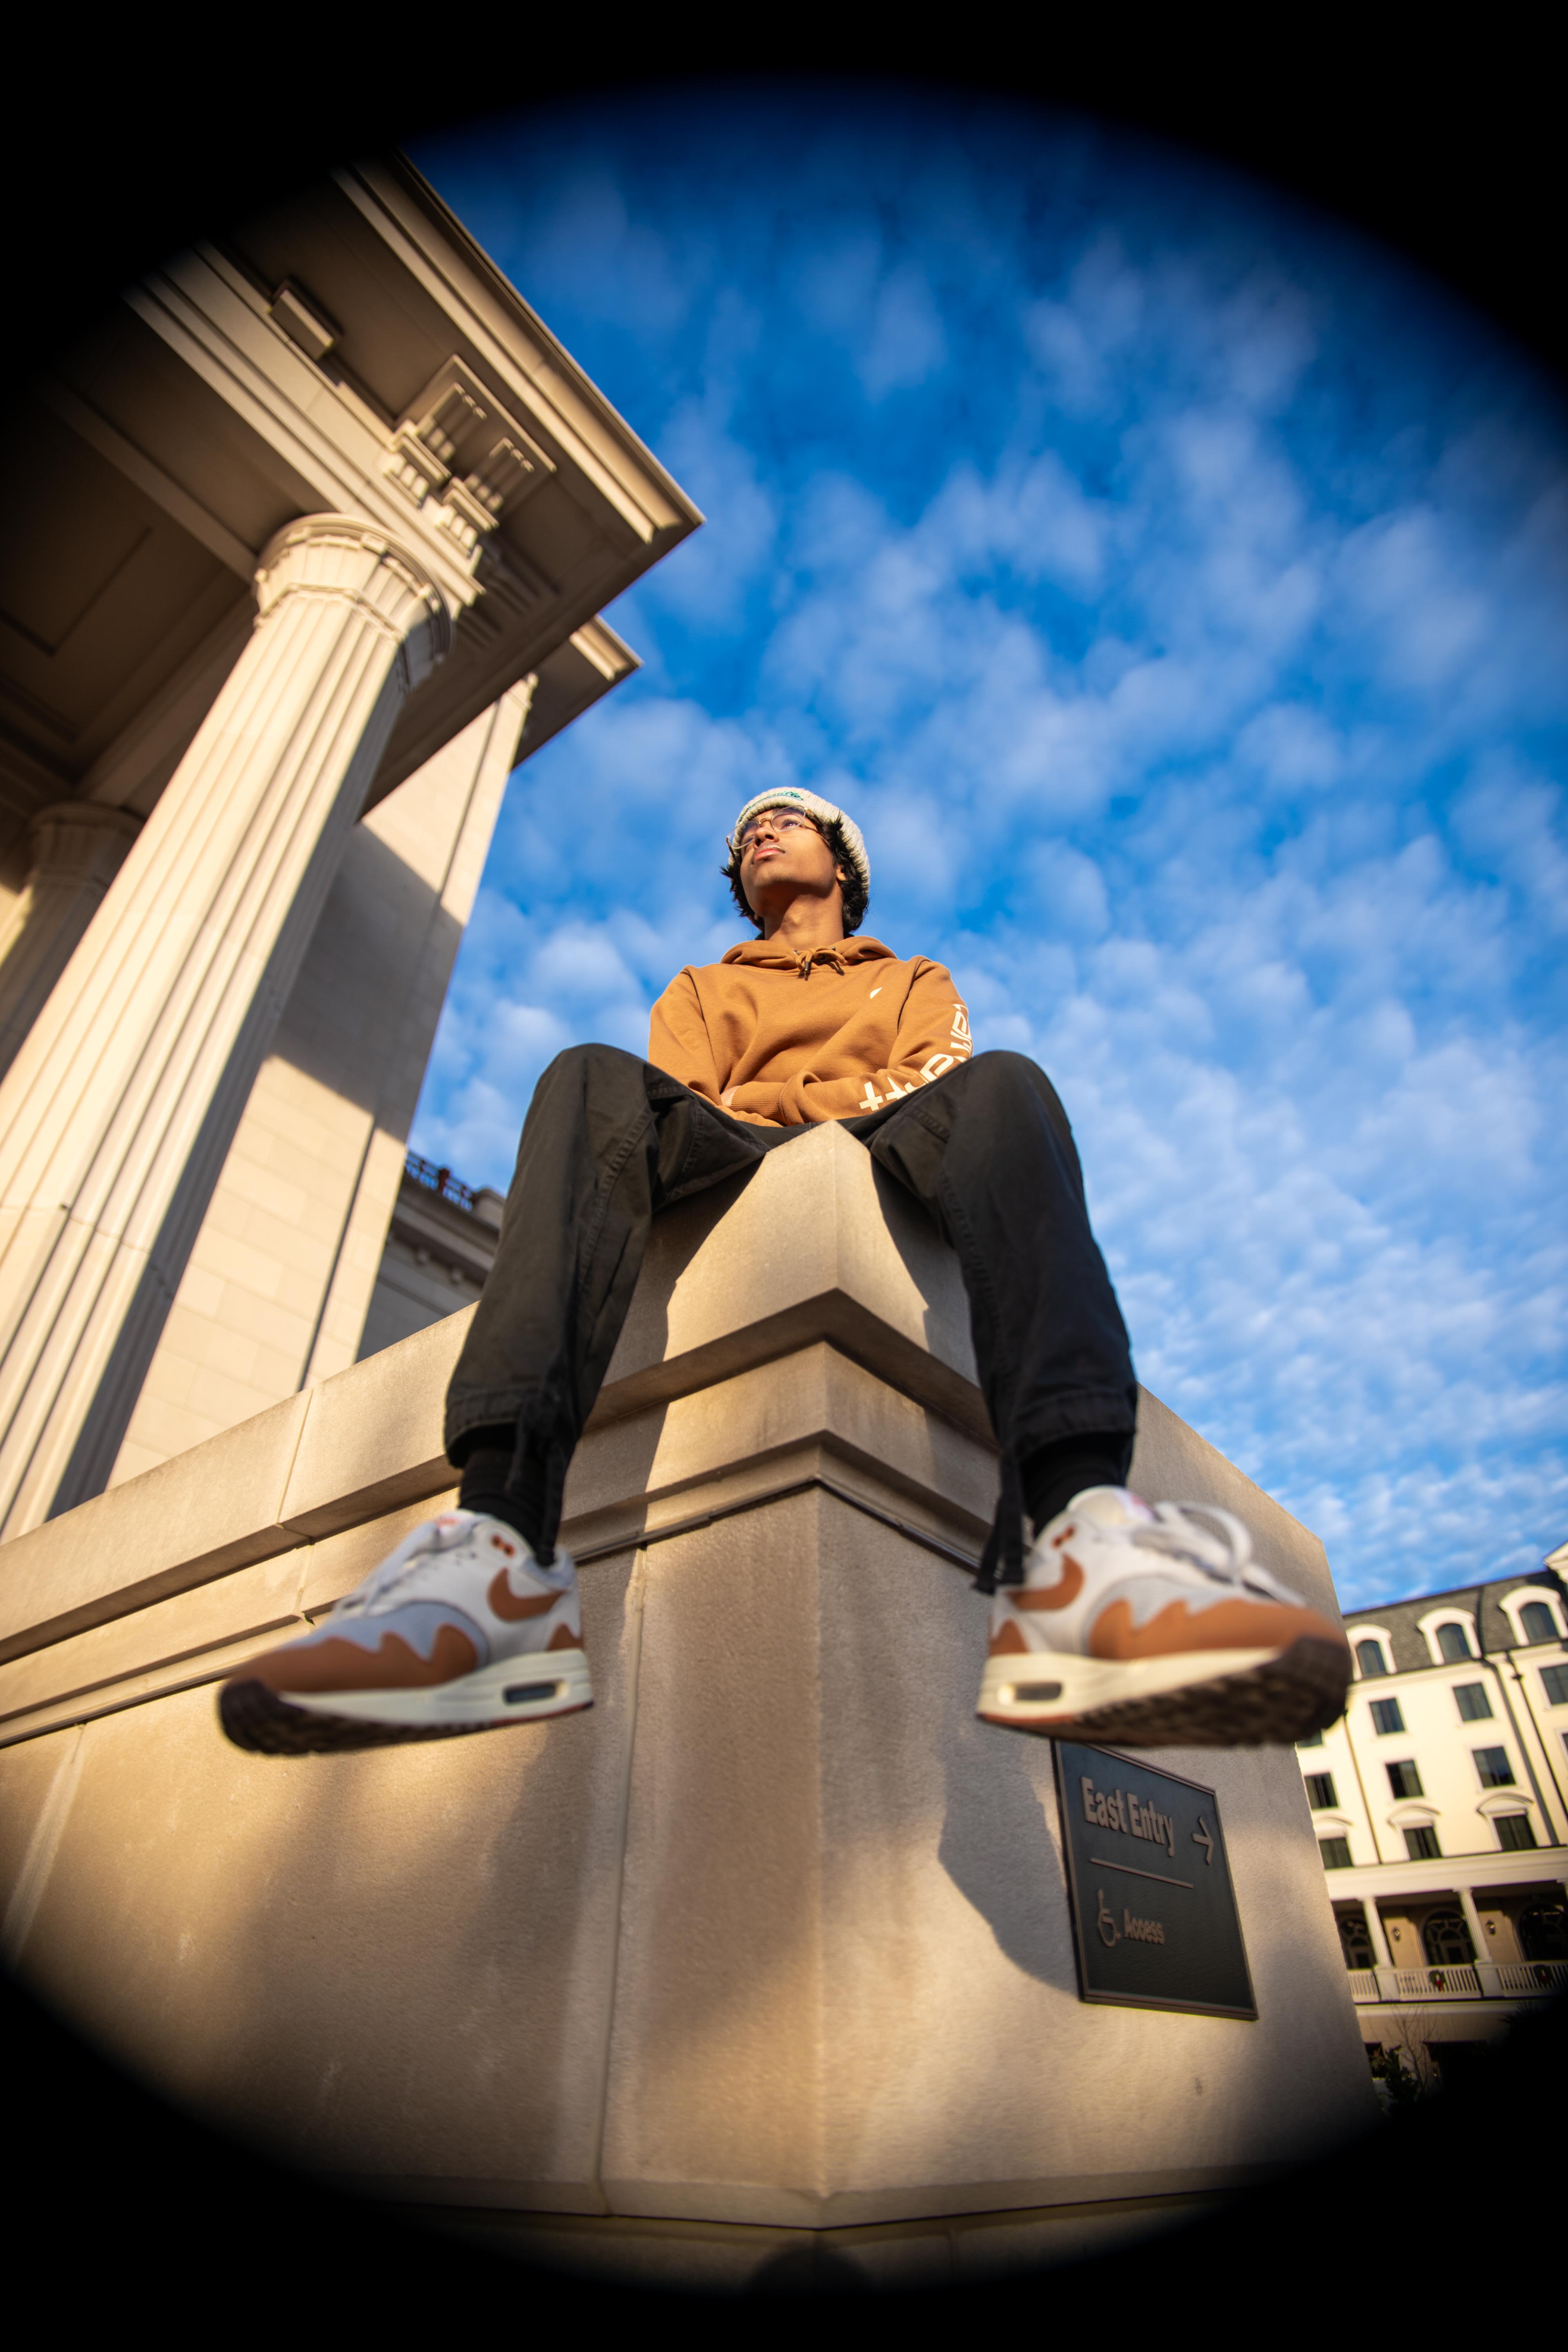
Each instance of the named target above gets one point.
<point>1153,1909</point>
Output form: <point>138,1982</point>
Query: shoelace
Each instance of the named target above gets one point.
<point>410,1554</point>
<point>1227,1557</point>
<point>1002,1561</point>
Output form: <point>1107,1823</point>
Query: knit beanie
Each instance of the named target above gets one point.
<point>792,796</point>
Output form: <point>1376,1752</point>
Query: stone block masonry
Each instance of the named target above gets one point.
<point>775,1938</point>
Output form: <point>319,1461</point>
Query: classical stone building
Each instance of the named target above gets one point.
<point>308,552</point>
<point>774,1944</point>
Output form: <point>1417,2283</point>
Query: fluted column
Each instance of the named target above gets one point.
<point>118,1110</point>
<point>78,849</point>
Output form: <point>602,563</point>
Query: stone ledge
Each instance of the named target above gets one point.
<point>812,1418</point>
<point>870,1280</point>
<point>958,2249</point>
<point>200,1635</point>
<point>871,1275</point>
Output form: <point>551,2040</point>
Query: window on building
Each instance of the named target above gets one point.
<point>1554,1683</point>
<point>1544,1929</point>
<point>1421,1845</point>
<point>1538,1621</point>
<point>1457,2062</point>
<point>1514,1834</point>
<point>1454,1644</point>
<point>1368,1657</point>
<point>1321,1790</point>
<point>1447,1940</point>
<point>1355,1939</point>
<point>1493,1768</point>
<point>1385,1715</point>
<point>1474,1704</point>
<point>1336,1853</point>
<point>1404,1780</point>
<point>1313,1739</point>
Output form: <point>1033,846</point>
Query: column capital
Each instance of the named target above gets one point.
<point>70,832</point>
<point>331,556</point>
<point>75,849</point>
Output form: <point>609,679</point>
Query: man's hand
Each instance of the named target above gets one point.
<point>728,1097</point>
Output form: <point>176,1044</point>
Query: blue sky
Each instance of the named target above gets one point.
<point>1174,587</point>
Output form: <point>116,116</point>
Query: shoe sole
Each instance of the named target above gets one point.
<point>510,1691</point>
<point>1205,1698</point>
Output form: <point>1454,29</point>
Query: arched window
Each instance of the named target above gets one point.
<point>1368,1657</point>
<point>1447,1940</point>
<point>1538,1621</point>
<point>1454,1645</point>
<point>1544,1931</point>
<point>1355,1939</point>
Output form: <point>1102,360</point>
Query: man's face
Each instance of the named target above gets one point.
<point>783,854</point>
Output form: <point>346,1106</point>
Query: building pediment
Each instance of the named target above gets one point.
<point>1503,1800</point>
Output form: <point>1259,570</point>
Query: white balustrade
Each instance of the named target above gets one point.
<point>1485,1980</point>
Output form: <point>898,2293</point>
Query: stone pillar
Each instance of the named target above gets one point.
<point>1374,1928</point>
<point>77,849</point>
<point>279,1282</point>
<point>118,1110</point>
<point>1473,1921</point>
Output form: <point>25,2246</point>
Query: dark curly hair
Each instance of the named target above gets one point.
<point>856,897</point>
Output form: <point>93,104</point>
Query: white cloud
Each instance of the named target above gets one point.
<point>706,578</point>
<point>906,343</point>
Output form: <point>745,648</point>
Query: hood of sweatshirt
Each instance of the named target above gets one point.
<point>844,953</point>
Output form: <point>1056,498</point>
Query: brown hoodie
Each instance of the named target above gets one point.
<point>804,1038</point>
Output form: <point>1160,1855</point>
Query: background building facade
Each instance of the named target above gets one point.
<point>1440,1800</point>
<point>441,1247</point>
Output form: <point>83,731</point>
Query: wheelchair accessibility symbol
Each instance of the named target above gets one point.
<point>1110,1933</point>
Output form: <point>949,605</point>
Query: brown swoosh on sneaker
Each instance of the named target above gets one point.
<point>1052,1596</point>
<point>1227,1625</point>
<point>513,1606</point>
<point>392,1665</point>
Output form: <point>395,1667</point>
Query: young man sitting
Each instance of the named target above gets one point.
<point>1109,1620</point>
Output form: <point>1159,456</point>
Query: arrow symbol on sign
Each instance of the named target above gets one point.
<point>1201,1837</point>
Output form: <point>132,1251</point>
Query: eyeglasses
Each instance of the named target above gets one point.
<point>788,823</point>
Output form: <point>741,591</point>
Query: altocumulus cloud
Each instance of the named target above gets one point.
<point>1175,590</point>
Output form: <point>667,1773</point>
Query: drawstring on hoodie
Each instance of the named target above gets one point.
<point>1005,1544</point>
<point>820,955</point>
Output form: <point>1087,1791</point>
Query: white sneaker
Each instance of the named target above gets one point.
<point>459,1630</point>
<point>1148,1627</point>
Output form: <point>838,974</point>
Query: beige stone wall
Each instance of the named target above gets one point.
<point>277,1288</point>
<point>773,1937</point>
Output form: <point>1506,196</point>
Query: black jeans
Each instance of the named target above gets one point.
<point>609,1141</point>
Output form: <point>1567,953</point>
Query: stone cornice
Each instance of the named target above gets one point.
<point>330,440</point>
<point>517,347</point>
